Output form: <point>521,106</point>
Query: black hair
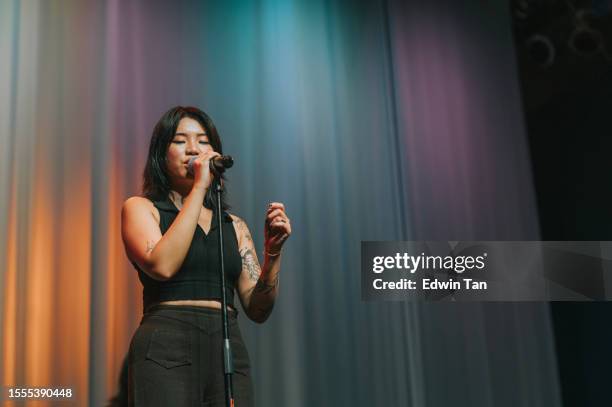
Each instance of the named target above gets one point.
<point>156,183</point>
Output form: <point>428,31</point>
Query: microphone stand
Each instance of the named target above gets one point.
<point>228,362</point>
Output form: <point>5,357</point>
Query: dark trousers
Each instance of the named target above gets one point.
<point>176,359</point>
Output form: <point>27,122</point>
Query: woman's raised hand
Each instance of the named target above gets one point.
<point>277,228</point>
<point>201,169</point>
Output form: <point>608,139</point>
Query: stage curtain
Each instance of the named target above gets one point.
<point>370,120</point>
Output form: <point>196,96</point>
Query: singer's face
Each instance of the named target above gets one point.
<point>189,140</point>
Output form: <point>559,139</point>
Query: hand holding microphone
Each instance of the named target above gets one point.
<point>201,167</point>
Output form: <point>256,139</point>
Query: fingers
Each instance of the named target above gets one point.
<point>275,209</point>
<point>211,154</point>
<point>276,213</point>
<point>202,162</point>
<point>201,165</point>
<point>276,217</point>
<point>277,220</point>
<point>278,227</point>
<point>205,157</point>
<point>276,205</point>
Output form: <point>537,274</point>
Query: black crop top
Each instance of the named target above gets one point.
<point>198,278</point>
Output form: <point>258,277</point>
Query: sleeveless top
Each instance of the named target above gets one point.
<point>198,278</point>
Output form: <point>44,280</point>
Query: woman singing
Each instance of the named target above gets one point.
<point>170,236</point>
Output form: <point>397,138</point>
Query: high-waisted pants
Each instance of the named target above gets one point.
<point>176,359</point>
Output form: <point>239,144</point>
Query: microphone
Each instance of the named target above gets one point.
<point>217,164</point>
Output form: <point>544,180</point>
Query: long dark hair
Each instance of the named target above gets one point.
<point>156,184</point>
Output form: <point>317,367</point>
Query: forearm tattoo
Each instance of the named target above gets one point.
<point>244,230</point>
<point>249,264</point>
<point>259,302</point>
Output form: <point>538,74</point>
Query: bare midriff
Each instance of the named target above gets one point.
<point>198,303</point>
